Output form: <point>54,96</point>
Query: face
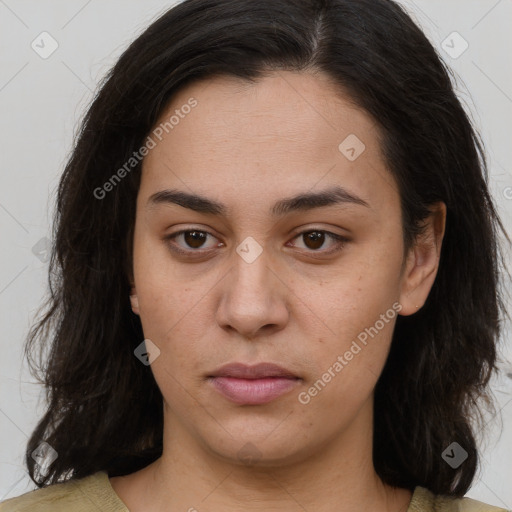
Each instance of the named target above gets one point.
<point>257,273</point>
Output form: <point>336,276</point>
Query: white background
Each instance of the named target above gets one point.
<point>41,102</point>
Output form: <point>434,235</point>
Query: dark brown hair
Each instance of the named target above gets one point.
<point>104,407</point>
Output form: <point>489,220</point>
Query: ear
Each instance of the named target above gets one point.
<point>422,262</point>
<point>134,301</point>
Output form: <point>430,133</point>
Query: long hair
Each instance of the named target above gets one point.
<point>104,409</point>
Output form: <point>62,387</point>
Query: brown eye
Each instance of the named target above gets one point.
<point>194,239</point>
<point>194,242</point>
<point>314,239</point>
<point>190,241</point>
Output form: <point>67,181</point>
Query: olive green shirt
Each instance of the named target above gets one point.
<point>94,493</point>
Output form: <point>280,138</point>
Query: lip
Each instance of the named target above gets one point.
<point>256,371</point>
<point>253,385</point>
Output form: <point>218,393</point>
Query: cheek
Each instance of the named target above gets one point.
<point>349,362</point>
<point>356,298</point>
<point>359,310</point>
<point>174,310</point>
<point>161,285</point>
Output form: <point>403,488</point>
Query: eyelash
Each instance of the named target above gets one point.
<point>339,238</point>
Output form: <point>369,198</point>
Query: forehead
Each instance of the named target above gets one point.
<point>284,134</point>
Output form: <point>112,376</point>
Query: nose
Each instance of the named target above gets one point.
<point>254,299</point>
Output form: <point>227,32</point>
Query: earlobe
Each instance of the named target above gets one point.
<point>134,301</point>
<point>423,262</point>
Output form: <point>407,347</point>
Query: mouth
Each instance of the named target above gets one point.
<point>253,385</point>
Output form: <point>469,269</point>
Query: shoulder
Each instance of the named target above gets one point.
<point>88,494</point>
<point>425,501</point>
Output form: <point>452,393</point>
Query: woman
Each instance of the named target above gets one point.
<point>275,272</point>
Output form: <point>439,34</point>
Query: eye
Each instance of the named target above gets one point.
<point>314,240</point>
<point>192,239</point>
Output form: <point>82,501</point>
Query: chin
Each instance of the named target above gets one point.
<point>259,450</point>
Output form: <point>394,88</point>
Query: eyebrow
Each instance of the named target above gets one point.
<point>301,202</point>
